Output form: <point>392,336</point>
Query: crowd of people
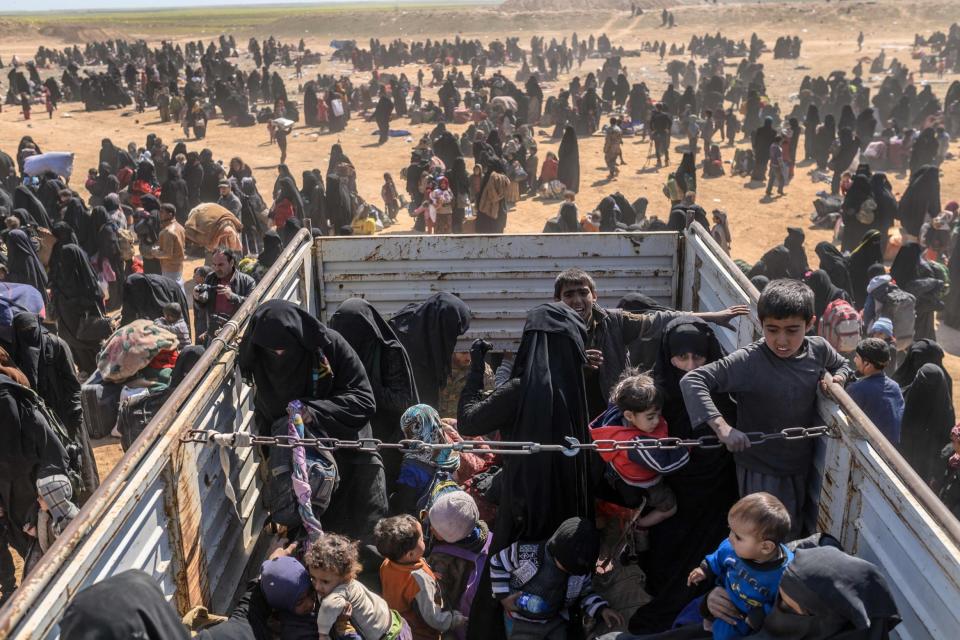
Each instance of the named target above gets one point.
<point>435,542</point>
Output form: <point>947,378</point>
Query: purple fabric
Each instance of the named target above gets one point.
<point>19,295</point>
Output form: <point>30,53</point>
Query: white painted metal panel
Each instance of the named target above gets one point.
<point>500,277</point>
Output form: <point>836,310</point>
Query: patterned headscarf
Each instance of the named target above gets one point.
<point>954,461</point>
<point>422,422</point>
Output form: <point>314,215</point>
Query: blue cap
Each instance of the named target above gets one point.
<point>283,581</point>
<point>882,325</point>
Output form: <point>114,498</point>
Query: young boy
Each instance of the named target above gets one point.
<point>875,393</point>
<point>538,582</point>
<point>409,585</point>
<point>882,328</point>
<point>173,322</point>
<point>634,414</point>
<point>749,563</point>
<point>774,382</point>
<point>460,549</point>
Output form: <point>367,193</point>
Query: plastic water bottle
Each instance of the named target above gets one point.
<point>533,604</point>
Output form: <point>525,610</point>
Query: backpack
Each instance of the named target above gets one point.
<point>74,451</point>
<point>901,307</point>
<point>126,239</point>
<point>840,326</point>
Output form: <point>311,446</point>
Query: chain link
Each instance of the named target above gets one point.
<point>571,448</point>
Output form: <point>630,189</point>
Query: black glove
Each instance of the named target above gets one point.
<point>478,351</point>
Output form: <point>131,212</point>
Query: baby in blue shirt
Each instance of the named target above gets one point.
<point>749,563</point>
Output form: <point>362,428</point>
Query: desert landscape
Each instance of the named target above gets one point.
<point>828,31</point>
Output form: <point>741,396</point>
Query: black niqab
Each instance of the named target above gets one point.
<point>144,295</point>
<point>546,490</point>
<point>127,605</point>
<point>928,417</point>
<point>838,593</point>
<point>921,198</point>
<point>833,262</point>
<point>23,265</point>
<point>428,331</point>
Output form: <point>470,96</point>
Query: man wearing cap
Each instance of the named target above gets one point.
<point>227,199</point>
<point>875,393</point>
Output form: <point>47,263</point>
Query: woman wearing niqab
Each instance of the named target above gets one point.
<point>290,355</point>
<point>824,291</point>
<point>428,331</point>
<point>921,199</point>
<point>705,487</point>
<point>835,264</point>
<point>866,254</point>
<point>568,170</point>
<point>23,265</point>
<point>798,255</point>
<point>75,294</point>
<point>388,368</point>
<point>544,401</point>
<point>914,275</point>
<point>928,417</point>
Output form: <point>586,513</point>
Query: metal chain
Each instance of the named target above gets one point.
<point>571,448</point>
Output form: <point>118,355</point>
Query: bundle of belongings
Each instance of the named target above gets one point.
<point>137,359</point>
<point>212,227</point>
<point>826,210</point>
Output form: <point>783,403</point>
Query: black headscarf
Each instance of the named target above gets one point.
<point>686,174</point>
<point>568,218</point>
<point>25,198</point>
<point>568,157</point>
<point>287,188</point>
<point>64,235</point>
<point>144,295</point>
<point>798,255</point>
<point>921,352</point>
<point>272,246</point>
<point>290,230</point>
<point>643,351</point>
<point>109,154</point>
<point>383,356</point>
<point>833,262</point>
<point>72,278</point>
<point>121,607</point>
<point>339,207</point>
<point>868,253</point>
<point>608,214</point>
<point>906,265</point>
<point>921,198</point>
<point>188,358</point>
<point>887,207</point>
<point>838,593</point>
<point>429,331</point>
<point>824,291</point>
<point>928,417</point>
<point>23,265</point>
<point>774,264</point>
<point>546,490</point>
<point>337,156</point>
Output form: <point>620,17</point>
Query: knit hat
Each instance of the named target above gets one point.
<point>576,546</point>
<point>454,516</point>
<point>283,580</point>
<point>884,326</point>
<point>874,351</point>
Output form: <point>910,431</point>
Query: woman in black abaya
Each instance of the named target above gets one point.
<point>23,265</point>
<point>75,295</point>
<point>928,417</point>
<point>921,199</point>
<point>25,198</point>
<point>565,222</point>
<point>108,248</point>
<point>686,174</point>
<point>824,291</point>
<point>460,186</point>
<point>388,369</point>
<point>833,262</point>
<point>855,206</point>
<point>645,350</point>
<point>175,192</point>
<point>272,247</point>
<point>705,488</point>
<point>886,205</point>
<point>810,124</point>
<point>428,331</point>
<point>144,295</point>
<point>912,274</point>
<point>289,355</point>
<point>866,254</point>
<point>798,255</point>
<point>568,171</point>
<point>826,133</point>
<point>921,352</point>
<point>544,401</point>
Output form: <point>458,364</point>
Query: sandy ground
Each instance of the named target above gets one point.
<point>828,31</point>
